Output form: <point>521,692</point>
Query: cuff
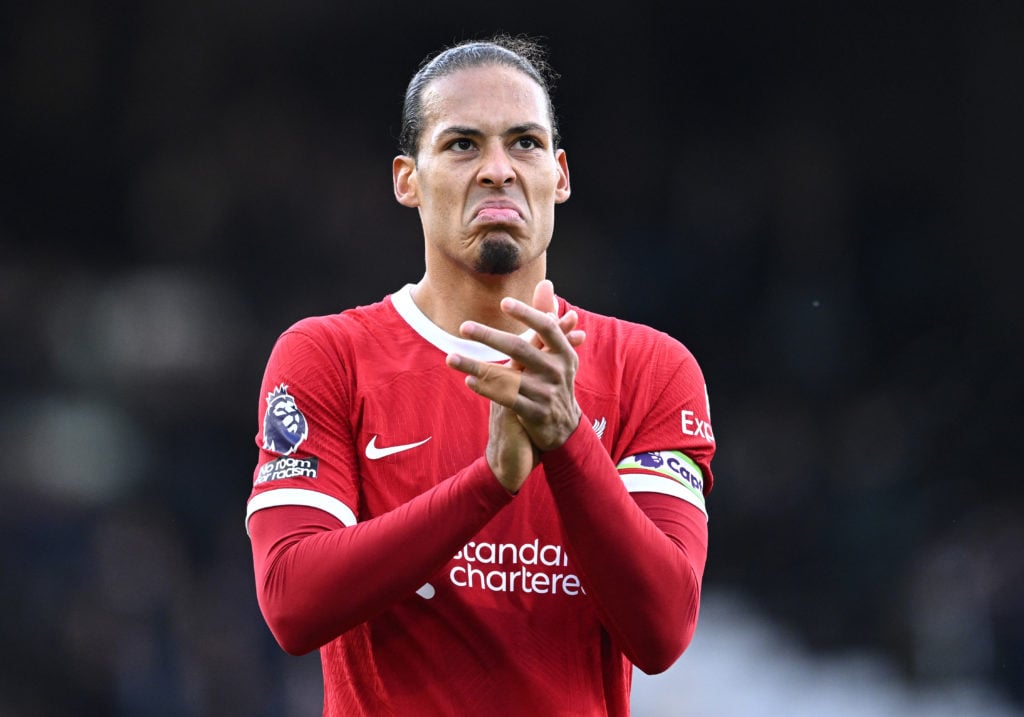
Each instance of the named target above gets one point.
<point>486,485</point>
<point>573,457</point>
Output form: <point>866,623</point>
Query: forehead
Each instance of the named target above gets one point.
<point>489,97</point>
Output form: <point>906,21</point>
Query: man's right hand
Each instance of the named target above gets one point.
<point>510,452</point>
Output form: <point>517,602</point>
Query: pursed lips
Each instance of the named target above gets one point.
<point>498,213</point>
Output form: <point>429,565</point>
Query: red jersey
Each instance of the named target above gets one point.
<point>361,415</point>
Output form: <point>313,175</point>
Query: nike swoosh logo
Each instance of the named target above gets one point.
<point>374,453</point>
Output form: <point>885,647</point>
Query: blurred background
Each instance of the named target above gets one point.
<point>821,200</point>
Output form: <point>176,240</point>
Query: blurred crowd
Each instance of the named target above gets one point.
<point>821,203</point>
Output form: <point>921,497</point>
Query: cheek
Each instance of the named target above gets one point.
<point>441,212</point>
<point>438,196</point>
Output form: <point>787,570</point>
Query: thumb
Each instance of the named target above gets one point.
<point>544,297</point>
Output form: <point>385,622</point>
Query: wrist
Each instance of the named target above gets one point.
<point>511,478</point>
<point>563,434</point>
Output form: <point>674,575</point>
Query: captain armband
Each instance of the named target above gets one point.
<point>667,472</point>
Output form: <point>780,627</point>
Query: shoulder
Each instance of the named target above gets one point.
<point>347,320</point>
<point>343,327</point>
<point>631,340</point>
<point>332,341</point>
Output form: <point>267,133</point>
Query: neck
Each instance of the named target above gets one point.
<point>448,301</point>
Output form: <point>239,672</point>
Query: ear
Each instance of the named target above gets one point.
<point>403,175</point>
<point>562,189</point>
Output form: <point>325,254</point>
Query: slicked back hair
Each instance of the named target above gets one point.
<point>520,53</point>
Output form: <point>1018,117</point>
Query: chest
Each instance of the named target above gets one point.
<point>416,427</point>
<point>412,430</point>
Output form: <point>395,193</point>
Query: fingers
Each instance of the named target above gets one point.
<point>567,324</point>
<point>498,383</point>
<point>544,297</point>
<point>537,382</point>
<point>527,353</point>
<point>494,381</point>
<point>552,336</point>
<point>547,328</point>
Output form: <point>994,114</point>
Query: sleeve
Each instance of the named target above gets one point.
<point>667,439</point>
<point>316,565</point>
<point>304,437</point>
<point>316,578</point>
<point>636,520</point>
<point>643,566</point>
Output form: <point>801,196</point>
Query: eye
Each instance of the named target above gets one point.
<point>527,143</point>
<point>461,145</point>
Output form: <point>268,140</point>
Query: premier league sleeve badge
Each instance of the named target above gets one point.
<point>284,426</point>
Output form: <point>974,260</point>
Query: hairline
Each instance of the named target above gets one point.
<point>527,56</point>
<point>462,129</point>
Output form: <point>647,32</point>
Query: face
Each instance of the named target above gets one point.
<point>486,179</point>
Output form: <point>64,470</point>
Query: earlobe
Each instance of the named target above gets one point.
<point>403,175</point>
<point>562,189</point>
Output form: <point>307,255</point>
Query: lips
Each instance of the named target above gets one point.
<point>498,213</point>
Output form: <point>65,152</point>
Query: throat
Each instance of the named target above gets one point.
<point>477,300</point>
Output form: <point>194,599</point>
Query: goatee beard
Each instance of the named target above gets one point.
<point>498,256</point>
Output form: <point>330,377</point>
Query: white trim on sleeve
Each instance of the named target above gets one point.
<point>303,497</point>
<point>666,486</point>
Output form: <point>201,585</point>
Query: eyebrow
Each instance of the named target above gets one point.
<point>524,128</point>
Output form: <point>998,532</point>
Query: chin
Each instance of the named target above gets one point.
<point>498,256</point>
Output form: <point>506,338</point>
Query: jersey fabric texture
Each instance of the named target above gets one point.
<point>360,415</point>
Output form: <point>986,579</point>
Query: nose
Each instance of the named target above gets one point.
<point>495,167</point>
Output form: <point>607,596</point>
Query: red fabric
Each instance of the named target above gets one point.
<point>505,613</point>
<point>641,557</point>
<point>315,579</point>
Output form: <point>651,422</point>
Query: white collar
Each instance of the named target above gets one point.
<point>405,306</point>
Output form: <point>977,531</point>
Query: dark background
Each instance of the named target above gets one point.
<point>821,200</point>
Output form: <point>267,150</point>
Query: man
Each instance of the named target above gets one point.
<point>471,497</point>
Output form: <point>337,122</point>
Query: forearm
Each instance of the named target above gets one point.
<point>316,579</point>
<point>642,567</point>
